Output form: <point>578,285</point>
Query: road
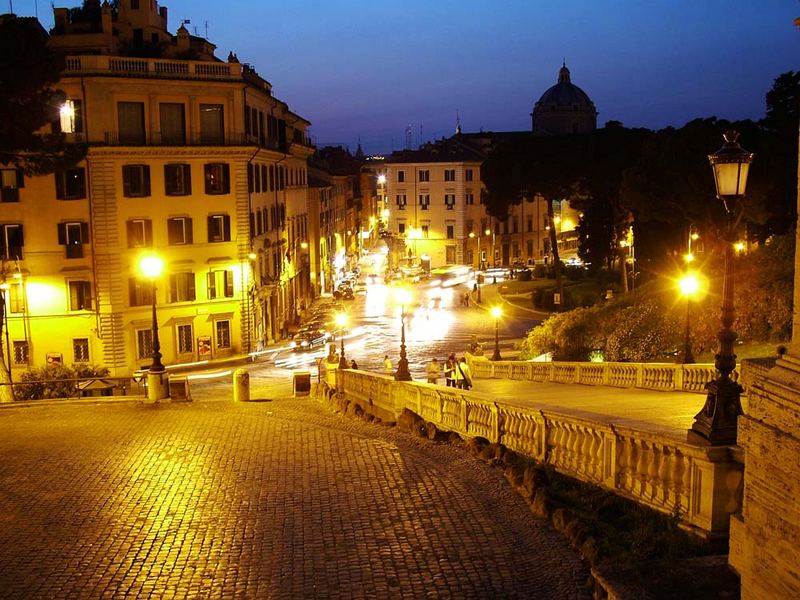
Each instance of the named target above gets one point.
<point>436,325</point>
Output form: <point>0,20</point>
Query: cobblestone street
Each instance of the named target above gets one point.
<point>279,499</point>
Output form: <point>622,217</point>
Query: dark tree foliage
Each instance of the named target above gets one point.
<point>29,102</point>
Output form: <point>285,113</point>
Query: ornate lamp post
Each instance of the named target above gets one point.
<point>403,374</point>
<point>341,323</point>
<point>496,313</point>
<point>689,285</point>
<point>715,424</point>
<point>157,379</point>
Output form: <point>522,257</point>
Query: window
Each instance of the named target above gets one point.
<point>450,201</point>
<point>70,117</point>
<point>217,177</point>
<point>467,174</point>
<point>451,232</point>
<point>401,228</point>
<point>219,228</point>
<point>449,174</point>
<point>184,336</point>
<point>530,225</point>
<point>11,242</point>
<point>71,184</point>
<point>424,175</point>
<point>16,298</point>
<point>80,295</point>
<point>140,292</point>
<point>21,353</point>
<point>212,124</point>
<point>401,201</point>
<point>401,177</point>
<point>135,4</point>
<point>177,180</point>
<point>11,181</point>
<point>179,231</point>
<point>135,181</point>
<point>144,343</point>
<point>80,350</point>
<point>469,199</point>
<point>73,236</point>
<point>220,284</point>
<point>140,233</point>
<point>424,201</point>
<point>223,334</point>
<point>425,230</point>
<point>515,225</point>
<point>181,287</point>
<point>130,119</point>
<point>173,123</point>
<point>450,255</point>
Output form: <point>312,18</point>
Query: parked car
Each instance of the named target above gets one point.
<point>308,339</point>
<point>344,292</point>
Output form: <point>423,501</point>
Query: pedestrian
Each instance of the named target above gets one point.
<point>466,299</point>
<point>434,371</point>
<point>353,364</point>
<point>387,365</point>
<point>465,379</point>
<point>449,371</point>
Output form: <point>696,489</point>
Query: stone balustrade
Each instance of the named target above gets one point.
<point>151,67</point>
<point>651,376</point>
<point>700,484</point>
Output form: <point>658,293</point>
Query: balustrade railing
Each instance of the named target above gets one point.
<point>651,376</point>
<point>150,67</point>
<point>702,485</point>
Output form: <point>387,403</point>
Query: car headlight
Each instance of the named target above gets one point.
<point>304,343</point>
<point>292,344</point>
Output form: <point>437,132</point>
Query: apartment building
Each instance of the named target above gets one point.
<point>189,158</point>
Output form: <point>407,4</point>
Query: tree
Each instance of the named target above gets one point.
<point>29,103</point>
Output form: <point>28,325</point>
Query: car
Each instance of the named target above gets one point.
<point>308,339</point>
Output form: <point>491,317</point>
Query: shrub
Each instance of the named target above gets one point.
<point>46,382</point>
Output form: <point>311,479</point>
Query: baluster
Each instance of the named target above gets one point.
<point>623,463</point>
<point>652,471</point>
<point>664,474</point>
<point>594,460</point>
<point>686,483</point>
<point>586,450</point>
<point>641,468</point>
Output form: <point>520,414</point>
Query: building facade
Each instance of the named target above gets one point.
<point>189,158</point>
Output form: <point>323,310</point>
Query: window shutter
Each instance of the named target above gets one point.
<point>20,179</point>
<point>211,228</point>
<point>17,238</point>
<point>77,107</point>
<point>228,284</point>
<point>226,234</point>
<point>187,179</point>
<point>84,233</point>
<point>59,175</point>
<point>226,178</point>
<point>146,178</point>
<point>189,239</point>
<point>250,178</point>
<point>62,234</point>
<point>148,233</point>
<point>173,288</point>
<point>132,291</point>
<point>191,278</point>
<point>81,183</point>
<point>129,231</point>
<point>253,225</point>
<point>172,230</point>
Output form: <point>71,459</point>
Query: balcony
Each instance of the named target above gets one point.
<point>153,68</point>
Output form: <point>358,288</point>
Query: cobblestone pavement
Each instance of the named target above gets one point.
<point>278,499</point>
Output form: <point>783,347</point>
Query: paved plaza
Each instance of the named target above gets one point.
<point>277,499</point>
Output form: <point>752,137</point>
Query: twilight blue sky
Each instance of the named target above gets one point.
<point>370,69</point>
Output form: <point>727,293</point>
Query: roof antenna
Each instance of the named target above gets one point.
<point>458,123</point>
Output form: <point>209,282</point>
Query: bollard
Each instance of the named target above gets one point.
<point>241,385</point>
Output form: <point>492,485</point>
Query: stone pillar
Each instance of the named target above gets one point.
<point>763,538</point>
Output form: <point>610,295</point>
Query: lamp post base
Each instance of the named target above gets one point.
<point>715,424</point>
<point>403,374</point>
<point>157,386</point>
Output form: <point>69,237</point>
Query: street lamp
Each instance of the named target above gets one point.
<point>496,313</point>
<point>715,424</point>
<point>689,285</point>
<point>341,323</point>
<point>403,298</point>
<point>151,267</point>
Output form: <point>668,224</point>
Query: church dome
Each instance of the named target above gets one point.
<point>564,108</point>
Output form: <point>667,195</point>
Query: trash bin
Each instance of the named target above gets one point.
<point>241,385</point>
<point>301,383</point>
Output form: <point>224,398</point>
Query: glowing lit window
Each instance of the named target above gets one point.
<point>217,178</point>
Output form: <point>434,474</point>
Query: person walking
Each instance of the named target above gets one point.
<point>434,371</point>
<point>463,374</point>
<point>449,371</point>
<point>353,364</point>
<point>387,365</point>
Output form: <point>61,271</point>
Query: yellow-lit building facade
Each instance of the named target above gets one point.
<point>437,216</point>
<point>189,159</point>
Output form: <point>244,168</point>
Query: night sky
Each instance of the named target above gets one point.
<point>369,70</point>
